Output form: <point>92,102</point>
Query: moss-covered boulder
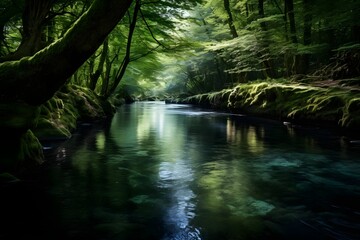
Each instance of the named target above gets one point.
<point>19,148</point>
<point>60,115</point>
<point>20,152</point>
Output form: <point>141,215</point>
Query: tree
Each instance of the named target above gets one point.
<point>137,42</point>
<point>230,19</point>
<point>46,71</point>
<point>289,12</point>
<point>32,80</point>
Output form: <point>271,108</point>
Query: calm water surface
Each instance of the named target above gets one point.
<point>163,171</point>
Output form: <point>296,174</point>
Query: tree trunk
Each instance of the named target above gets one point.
<point>305,58</point>
<point>126,59</point>
<point>261,14</point>
<point>95,76</point>
<point>230,19</point>
<point>247,9</point>
<point>33,19</point>
<point>289,10</point>
<point>106,77</point>
<point>269,72</point>
<point>291,59</point>
<point>35,79</point>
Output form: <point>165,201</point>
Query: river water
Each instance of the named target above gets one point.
<point>166,171</point>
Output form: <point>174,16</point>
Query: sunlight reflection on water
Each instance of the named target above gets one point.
<point>176,177</point>
<point>173,172</point>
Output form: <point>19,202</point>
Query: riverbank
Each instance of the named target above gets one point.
<point>333,106</point>
<point>26,127</point>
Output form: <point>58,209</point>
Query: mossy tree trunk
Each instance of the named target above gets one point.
<point>31,81</point>
<point>35,79</point>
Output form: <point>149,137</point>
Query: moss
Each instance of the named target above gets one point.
<point>31,150</point>
<point>281,100</point>
<point>351,117</point>
<point>50,130</point>
<point>60,115</point>
<point>55,119</point>
<point>21,151</point>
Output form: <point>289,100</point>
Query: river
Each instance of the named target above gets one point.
<point>174,172</point>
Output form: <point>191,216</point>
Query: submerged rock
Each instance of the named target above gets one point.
<point>250,207</point>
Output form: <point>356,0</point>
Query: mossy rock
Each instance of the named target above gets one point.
<point>20,152</point>
<point>46,129</point>
<point>60,115</point>
<point>31,150</point>
<point>57,120</point>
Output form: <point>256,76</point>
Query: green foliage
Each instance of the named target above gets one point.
<point>186,47</point>
<point>154,40</point>
<point>62,15</point>
<point>260,52</point>
<point>351,116</point>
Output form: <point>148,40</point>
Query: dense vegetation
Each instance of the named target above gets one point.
<point>68,60</point>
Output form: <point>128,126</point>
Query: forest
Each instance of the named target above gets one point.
<point>65,61</point>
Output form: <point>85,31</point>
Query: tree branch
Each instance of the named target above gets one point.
<point>152,34</point>
<point>35,79</point>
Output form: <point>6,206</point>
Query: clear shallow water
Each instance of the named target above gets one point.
<point>163,171</point>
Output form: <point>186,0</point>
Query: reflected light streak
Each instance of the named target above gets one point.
<point>232,136</point>
<point>177,176</point>
<point>146,124</point>
<point>100,141</point>
<point>255,144</point>
<point>61,154</point>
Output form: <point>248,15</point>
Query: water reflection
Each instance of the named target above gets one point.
<point>100,141</point>
<point>159,171</point>
<point>176,178</point>
<point>249,136</point>
<point>175,169</point>
<point>61,154</point>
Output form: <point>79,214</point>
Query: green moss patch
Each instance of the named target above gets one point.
<point>59,116</point>
<point>290,101</point>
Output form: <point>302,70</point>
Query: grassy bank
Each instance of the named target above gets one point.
<point>336,106</point>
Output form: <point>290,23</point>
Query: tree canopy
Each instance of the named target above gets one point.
<point>48,69</point>
<point>165,46</point>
